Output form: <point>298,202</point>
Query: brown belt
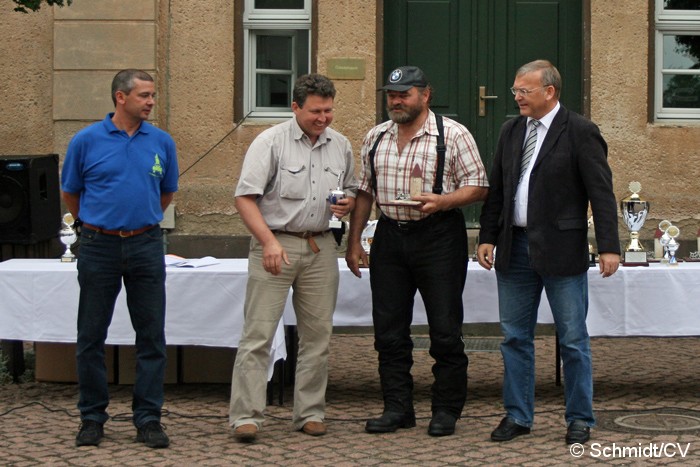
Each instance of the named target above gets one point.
<point>118,233</point>
<point>308,235</point>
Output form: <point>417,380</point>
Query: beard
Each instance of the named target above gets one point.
<point>404,114</point>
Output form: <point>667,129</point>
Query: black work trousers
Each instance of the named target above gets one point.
<point>429,256</point>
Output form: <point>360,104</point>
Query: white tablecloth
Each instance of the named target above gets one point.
<point>39,302</point>
<point>637,301</point>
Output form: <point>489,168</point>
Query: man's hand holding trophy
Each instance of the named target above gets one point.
<point>333,197</point>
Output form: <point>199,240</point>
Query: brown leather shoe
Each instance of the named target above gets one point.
<point>314,428</point>
<point>246,432</point>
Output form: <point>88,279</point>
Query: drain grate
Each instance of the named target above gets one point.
<point>471,344</point>
<point>480,344</point>
<point>657,421</point>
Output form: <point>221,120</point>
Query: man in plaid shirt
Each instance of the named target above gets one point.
<point>419,244</point>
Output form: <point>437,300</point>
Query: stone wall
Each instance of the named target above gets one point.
<point>663,157</point>
<point>200,64</point>
<point>56,65</point>
<point>26,123</point>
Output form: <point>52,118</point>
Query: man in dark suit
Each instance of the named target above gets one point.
<point>549,164</point>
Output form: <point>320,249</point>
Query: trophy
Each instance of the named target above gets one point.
<point>658,247</point>
<point>367,237</point>
<point>67,237</point>
<point>591,253</point>
<point>416,181</point>
<point>634,213</point>
<point>415,188</point>
<point>673,245</point>
<point>333,197</point>
<point>664,239</point>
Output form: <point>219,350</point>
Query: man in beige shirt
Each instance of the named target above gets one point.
<point>282,195</point>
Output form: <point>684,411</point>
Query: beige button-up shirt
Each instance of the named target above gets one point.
<point>293,178</point>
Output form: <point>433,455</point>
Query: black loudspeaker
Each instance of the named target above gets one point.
<point>30,208</point>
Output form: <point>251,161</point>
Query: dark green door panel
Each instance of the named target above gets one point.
<point>425,33</point>
<point>551,30</point>
<point>465,44</point>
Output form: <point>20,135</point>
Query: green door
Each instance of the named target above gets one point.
<point>470,50</point>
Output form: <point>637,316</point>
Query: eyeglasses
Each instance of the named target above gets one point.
<point>526,92</point>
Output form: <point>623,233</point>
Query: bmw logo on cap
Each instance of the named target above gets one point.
<point>395,76</point>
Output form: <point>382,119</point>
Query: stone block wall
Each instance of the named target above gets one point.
<point>56,66</point>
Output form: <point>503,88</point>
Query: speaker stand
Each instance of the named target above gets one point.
<point>14,350</point>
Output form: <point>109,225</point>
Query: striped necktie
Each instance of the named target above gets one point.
<point>529,148</point>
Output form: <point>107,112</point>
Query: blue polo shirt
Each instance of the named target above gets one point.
<point>119,177</point>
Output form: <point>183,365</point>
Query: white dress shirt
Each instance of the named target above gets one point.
<point>520,209</point>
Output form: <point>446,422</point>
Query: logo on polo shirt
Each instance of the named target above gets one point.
<point>157,169</point>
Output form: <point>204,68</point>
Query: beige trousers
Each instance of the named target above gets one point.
<point>313,279</point>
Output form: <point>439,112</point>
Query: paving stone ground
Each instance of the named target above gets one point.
<point>38,421</point>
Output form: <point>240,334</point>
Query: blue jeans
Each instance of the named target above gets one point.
<point>103,262</point>
<point>519,292</point>
<point>433,260</point>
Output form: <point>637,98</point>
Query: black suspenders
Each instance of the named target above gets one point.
<point>439,147</point>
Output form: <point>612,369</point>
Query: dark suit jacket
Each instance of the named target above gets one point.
<point>571,169</point>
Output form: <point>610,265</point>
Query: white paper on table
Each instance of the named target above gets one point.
<point>177,261</point>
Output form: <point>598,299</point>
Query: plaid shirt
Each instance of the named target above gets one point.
<point>463,166</point>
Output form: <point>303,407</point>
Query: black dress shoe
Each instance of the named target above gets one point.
<point>390,422</point>
<point>508,430</point>
<point>90,433</point>
<point>578,432</point>
<point>442,424</point>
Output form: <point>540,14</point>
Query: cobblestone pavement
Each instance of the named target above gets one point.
<point>38,421</point>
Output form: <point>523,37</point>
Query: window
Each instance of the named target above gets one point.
<point>677,60</point>
<point>276,52</point>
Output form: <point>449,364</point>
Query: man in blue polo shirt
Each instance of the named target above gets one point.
<point>118,177</point>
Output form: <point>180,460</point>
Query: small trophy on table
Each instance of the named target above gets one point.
<point>673,232</point>
<point>634,213</point>
<point>333,197</point>
<point>68,237</point>
<point>664,239</point>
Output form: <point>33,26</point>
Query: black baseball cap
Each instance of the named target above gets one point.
<point>404,78</point>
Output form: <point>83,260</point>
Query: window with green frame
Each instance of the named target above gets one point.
<point>277,49</point>
<point>677,60</point>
